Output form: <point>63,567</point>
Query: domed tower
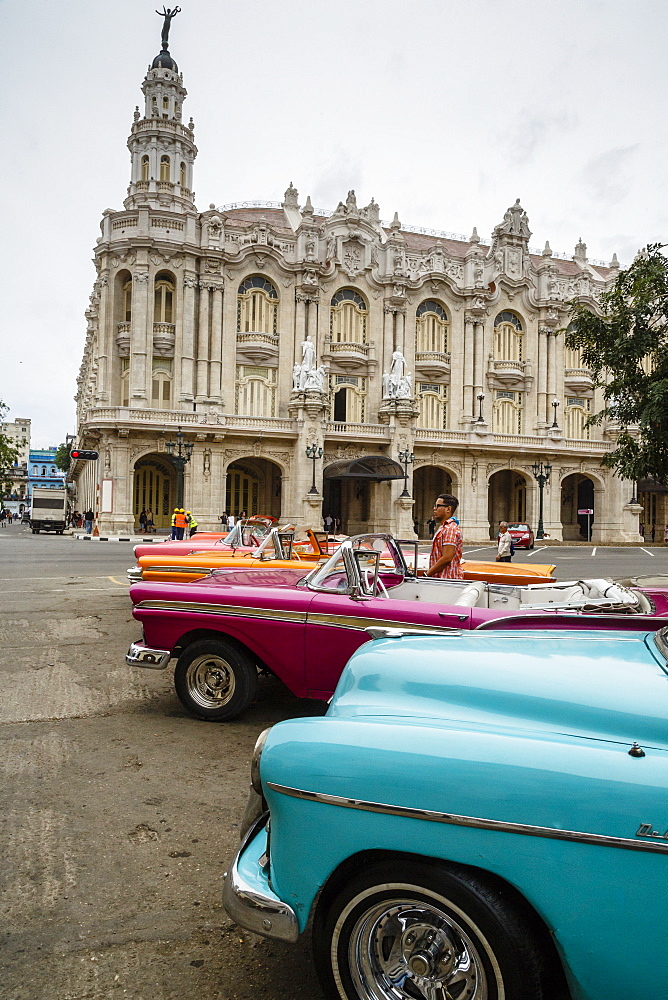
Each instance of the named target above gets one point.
<point>162,148</point>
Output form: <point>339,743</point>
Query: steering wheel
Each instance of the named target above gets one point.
<point>380,586</point>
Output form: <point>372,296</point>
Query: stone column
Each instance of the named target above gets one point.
<point>215,365</point>
<point>300,325</point>
<point>229,350</point>
<point>202,362</point>
<point>542,365</point>
<point>141,341</point>
<point>400,331</point>
<point>469,377</point>
<point>312,326</point>
<point>551,373</point>
<point>479,357</point>
<point>103,394</point>
<point>187,393</point>
<point>388,337</point>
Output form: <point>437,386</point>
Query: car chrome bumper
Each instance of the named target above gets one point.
<point>134,574</point>
<point>249,900</point>
<point>139,655</point>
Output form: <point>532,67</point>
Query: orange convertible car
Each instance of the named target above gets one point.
<point>281,546</point>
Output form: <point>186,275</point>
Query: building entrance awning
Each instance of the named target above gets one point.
<point>651,486</point>
<point>379,468</point>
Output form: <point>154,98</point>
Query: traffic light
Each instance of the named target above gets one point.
<point>86,455</point>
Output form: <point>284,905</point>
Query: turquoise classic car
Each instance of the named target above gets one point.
<point>489,824</point>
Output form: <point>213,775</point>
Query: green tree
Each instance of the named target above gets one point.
<point>626,349</point>
<point>63,457</point>
<point>8,455</point>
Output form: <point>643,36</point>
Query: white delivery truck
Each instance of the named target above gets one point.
<point>48,510</point>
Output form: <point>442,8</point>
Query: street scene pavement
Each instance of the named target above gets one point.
<point>120,811</point>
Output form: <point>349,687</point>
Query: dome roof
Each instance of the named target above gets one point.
<point>164,61</point>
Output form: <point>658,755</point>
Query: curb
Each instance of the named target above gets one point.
<point>118,538</point>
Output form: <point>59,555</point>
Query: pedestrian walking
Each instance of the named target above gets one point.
<point>223,519</point>
<point>142,521</point>
<point>328,523</point>
<point>173,524</point>
<point>445,560</point>
<point>89,517</point>
<point>150,526</point>
<point>230,521</point>
<point>653,531</point>
<point>505,543</point>
<point>192,523</point>
<point>431,527</point>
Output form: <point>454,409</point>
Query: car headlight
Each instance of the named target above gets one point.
<point>256,783</point>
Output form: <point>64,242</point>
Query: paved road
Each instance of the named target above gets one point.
<point>120,812</point>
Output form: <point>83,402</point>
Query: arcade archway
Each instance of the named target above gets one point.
<point>577,493</point>
<point>506,498</point>
<point>154,489</point>
<point>254,486</point>
<point>428,482</point>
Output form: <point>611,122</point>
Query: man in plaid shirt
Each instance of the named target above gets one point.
<point>445,560</point>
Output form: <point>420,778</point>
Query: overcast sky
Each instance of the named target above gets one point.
<point>445,112</point>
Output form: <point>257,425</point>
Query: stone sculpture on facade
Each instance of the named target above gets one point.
<point>308,376</point>
<point>396,383</point>
<point>168,16</point>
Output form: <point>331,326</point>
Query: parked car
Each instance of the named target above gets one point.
<point>522,535</point>
<point>204,540</point>
<point>488,822</point>
<point>252,551</point>
<point>303,627</point>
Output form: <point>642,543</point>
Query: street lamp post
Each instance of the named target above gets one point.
<point>480,397</point>
<point>180,452</point>
<point>314,453</point>
<point>555,404</point>
<point>406,458</point>
<point>541,474</point>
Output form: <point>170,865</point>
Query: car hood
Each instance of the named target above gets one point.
<point>606,685</point>
<point>216,587</point>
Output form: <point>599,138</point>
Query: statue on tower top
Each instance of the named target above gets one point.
<point>168,15</point>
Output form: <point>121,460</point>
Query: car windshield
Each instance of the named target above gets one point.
<point>335,574</point>
<point>519,527</point>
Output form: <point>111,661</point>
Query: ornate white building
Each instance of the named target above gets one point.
<point>264,329</point>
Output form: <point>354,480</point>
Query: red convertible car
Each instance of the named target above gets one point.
<point>303,629</point>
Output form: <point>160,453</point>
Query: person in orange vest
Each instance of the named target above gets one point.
<point>181,522</point>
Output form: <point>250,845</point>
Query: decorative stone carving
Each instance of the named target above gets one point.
<point>291,198</point>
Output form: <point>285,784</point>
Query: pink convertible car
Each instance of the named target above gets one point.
<point>303,629</point>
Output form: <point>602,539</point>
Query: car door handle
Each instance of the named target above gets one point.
<point>446,614</point>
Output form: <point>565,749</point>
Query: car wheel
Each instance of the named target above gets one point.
<point>413,930</point>
<point>215,680</point>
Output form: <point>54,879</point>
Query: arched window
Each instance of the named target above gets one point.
<point>161,384</point>
<point>431,328</point>
<point>433,405</point>
<point>348,398</point>
<point>575,418</point>
<point>508,337</point>
<point>348,317</point>
<point>164,299</point>
<point>507,414</point>
<point>257,306</point>
<point>182,174</point>
<point>43,470</point>
<point>144,168</point>
<point>35,470</point>
<point>256,391</point>
<point>127,301</point>
<point>164,168</point>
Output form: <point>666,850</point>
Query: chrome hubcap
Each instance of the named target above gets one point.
<point>413,950</point>
<point>210,681</point>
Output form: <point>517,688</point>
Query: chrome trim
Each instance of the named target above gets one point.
<point>392,632</point>
<point>661,642</point>
<point>139,655</point>
<point>520,621</point>
<point>477,822</point>
<point>258,911</point>
<point>134,574</point>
